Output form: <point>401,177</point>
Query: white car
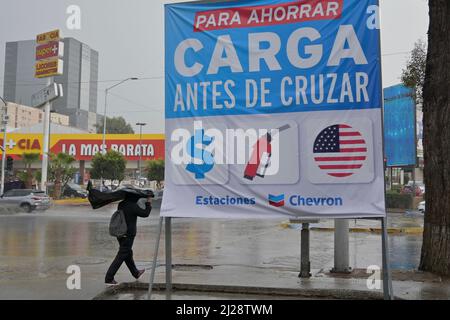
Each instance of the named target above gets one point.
<point>421,207</point>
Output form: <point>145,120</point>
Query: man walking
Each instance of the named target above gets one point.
<point>132,211</point>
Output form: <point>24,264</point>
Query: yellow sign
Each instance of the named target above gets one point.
<point>48,37</point>
<point>85,146</point>
<point>49,68</point>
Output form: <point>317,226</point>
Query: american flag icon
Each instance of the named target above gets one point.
<point>340,150</point>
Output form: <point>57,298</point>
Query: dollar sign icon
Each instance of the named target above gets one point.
<point>203,161</point>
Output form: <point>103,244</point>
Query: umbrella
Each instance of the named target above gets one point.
<point>100,199</point>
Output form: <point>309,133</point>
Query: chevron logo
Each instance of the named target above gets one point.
<point>276,201</point>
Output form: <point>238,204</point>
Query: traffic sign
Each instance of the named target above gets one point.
<point>47,94</point>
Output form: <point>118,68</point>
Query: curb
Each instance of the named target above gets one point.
<point>392,230</point>
<point>71,202</point>
<point>244,290</point>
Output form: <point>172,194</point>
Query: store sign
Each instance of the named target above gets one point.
<point>49,68</point>
<point>50,50</point>
<point>273,109</point>
<point>48,37</point>
<point>86,146</point>
<point>48,54</point>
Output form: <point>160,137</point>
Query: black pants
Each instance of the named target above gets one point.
<point>125,254</point>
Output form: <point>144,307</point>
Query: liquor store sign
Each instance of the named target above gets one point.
<point>49,51</point>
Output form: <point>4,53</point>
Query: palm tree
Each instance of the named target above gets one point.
<point>28,159</point>
<point>61,171</point>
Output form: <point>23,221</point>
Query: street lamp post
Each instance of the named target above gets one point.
<point>104,118</point>
<point>140,124</point>
<point>4,122</point>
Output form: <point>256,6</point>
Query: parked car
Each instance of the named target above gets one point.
<point>419,186</point>
<point>73,190</point>
<point>26,199</point>
<point>421,207</point>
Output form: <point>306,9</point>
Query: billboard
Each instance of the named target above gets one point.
<point>399,126</point>
<point>86,146</point>
<point>273,109</point>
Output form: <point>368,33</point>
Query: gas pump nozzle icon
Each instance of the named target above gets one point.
<point>262,152</point>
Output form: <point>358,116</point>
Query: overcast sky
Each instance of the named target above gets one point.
<point>129,37</point>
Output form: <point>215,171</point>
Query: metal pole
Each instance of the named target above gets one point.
<point>140,152</point>
<point>45,152</point>
<point>2,188</point>
<point>341,246</point>
<point>4,123</point>
<point>140,124</point>
<point>305,264</point>
<point>104,119</point>
<point>387,280</point>
<point>155,258</point>
<point>104,122</point>
<point>104,134</point>
<point>168,223</point>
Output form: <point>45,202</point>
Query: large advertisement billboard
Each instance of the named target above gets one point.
<point>273,108</point>
<point>399,126</point>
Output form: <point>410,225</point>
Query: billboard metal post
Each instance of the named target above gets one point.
<point>305,264</point>
<point>155,259</point>
<point>387,280</point>
<point>168,238</point>
<point>341,246</point>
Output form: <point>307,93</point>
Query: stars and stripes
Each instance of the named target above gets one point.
<point>340,150</point>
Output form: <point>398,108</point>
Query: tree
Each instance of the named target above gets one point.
<point>155,171</point>
<point>435,255</point>
<point>29,159</point>
<point>414,74</point>
<point>115,125</point>
<point>61,171</point>
<point>110,166</point>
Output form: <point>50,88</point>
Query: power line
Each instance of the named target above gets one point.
<point>29,83</point>
<point>147,108</point>
<point>395,53</point>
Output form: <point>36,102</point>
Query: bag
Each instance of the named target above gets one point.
<point>118,226</point>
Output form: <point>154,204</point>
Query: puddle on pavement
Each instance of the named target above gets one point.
<point>192,295</point>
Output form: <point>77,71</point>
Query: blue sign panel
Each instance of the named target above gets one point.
<point>399,126</point>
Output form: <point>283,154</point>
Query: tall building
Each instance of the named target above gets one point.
<point>79,80</point>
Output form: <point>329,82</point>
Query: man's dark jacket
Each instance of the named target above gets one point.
<point>131,211</point>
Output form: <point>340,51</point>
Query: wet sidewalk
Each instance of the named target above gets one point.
<point>260,284</point>
<point>36,250</point>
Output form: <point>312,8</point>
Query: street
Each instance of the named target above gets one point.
<point>36,250</point>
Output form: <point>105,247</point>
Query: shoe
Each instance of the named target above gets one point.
<point>140,273</point>
<point>111,283</point>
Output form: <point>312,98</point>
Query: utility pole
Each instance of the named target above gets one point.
<point>140,124</point>
<point>4,124</point>
<point>46,149</point>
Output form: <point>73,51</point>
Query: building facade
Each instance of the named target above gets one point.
<point>20,116</point>
<point>79,80</point>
